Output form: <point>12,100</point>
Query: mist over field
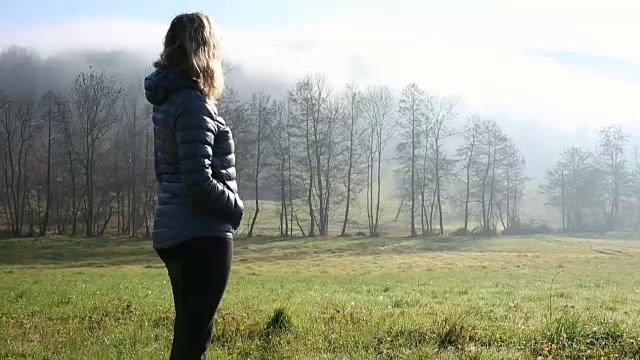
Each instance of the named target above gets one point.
<point>540,140</point>
<point>34,68</point>
<point>422,179</point>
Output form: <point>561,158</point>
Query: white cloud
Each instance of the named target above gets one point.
<point>486,57</point>
<point>89,34</point>
<point>606,28</point>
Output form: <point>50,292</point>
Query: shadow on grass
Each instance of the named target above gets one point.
<point>104,252</point>
<point>375,246</point>
<point>65,252</point>
<point>108,251</point>
<point>262,240</point>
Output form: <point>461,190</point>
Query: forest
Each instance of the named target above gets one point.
<point>78,161</point>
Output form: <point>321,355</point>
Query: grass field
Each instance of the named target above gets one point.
<point>436,298</point>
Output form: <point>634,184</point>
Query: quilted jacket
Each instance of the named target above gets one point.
<point>194,163</point>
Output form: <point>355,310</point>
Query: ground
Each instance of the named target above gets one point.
<point>435,298</point>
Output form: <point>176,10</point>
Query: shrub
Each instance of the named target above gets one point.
<point>279,321</point>
<point>461,232</point>
<point>527,228</point>
<point>482,232</point>
<point>451,331</point>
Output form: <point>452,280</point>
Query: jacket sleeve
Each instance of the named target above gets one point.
<point>195,133</point>
<point>156,163</point>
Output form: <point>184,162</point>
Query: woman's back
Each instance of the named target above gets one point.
<point>198,205</point>
<point>193,147</point>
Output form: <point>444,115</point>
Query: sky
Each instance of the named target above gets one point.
<point>563,67</point>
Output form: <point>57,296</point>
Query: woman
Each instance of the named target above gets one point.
<point>198,206</point>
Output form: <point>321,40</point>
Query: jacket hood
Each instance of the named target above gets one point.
<point>160,84</point>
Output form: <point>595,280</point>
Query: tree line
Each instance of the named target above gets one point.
<point>321,149</point>
<point>597,189</point>
<point>79,161</point>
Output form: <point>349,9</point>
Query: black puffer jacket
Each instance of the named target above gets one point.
<point>194,163</point>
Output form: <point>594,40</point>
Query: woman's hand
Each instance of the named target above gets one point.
<point>236,216</point>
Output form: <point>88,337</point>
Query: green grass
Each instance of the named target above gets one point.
<point>436,298</point>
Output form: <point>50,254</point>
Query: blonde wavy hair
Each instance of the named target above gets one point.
<point>192,45</point>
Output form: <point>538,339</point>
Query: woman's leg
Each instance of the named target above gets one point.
<point>199,272</point>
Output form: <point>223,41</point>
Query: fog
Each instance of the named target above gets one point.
<point>539,141</point>
<point>548,88</point>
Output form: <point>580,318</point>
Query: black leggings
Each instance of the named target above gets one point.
<point>199,271</point>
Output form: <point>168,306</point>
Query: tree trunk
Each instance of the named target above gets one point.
<point>134,197</point>
<point>255,215</point>
<point>74,200</point>
<point>492,187</point>
<point>370,164</point>
<point>321,210</point>
<point>467,194</point>
<point>257,171</point>
<point>289,182</point>
<point>413,175</point>
<point>119,205</point>
<point>432,210</point>
<point>508,201</point>
<point>485,220</point>
<point>106,222</point>
<point>379,181</point>
<point>300,226</point>
<point>349,171</point>
<point>89,216</point>
<point>47,211</point>
<point>312,221</point>
<point>399,209</point>
<point>284,222</point>
<point>504,226</point>
<point>440,208</point>
<point>423,212</point>
<point>468,184</point>
<point>438,186</point>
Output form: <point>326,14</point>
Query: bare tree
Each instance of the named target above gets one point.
<point>440,112</point>
<point>133,114</point>
<point>149,182</point>
<point>322,131</point>
<point>467,153</point>
<point>379,113</point>
<point>425,174</point>
<point>514,181</point>
<point>612,161</point>
<point>281,150</point>
<point>95,98</point>
<point>353,116</point>
<point>491,150</point>
<point>120,206</point>
<point>309,99</point>
<point>260,113</point>
<point>412,110</point>
<point>302,108</point>
<point>572,185</point>
<point>66,126</point>
<point>49,112</point>
<point>335,150</point>
<point>17,131</point>
<point>127,160</point>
